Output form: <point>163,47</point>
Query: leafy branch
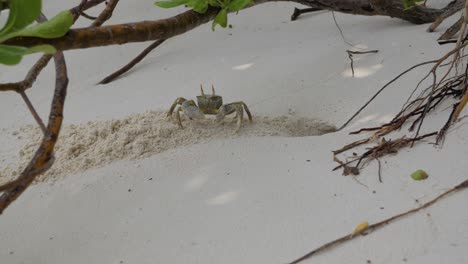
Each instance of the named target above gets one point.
<point>23,13</point>
<point>201,6</point>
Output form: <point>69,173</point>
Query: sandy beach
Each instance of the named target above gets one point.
<point>130,187</point>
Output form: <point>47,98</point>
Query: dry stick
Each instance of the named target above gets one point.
<point>19,180</point>
<point>464,100</point>
<point>85,5</point>
<point>30,78</point>
<point>343,164</point>
<point>453,8</point>
<point>299,11</point>
<point>452,30</point>
<point>443,42</point>
<point>43,158</point>
<point>83,14</point>
<point>350,56</point>
<point>387,147</point>
<point>456,50</point>
<point>27,83</point>
<point>33,112</point>
<point>378,225</point>
<point>132,63</point>
<point>381,89</point>
<point>443,130</point>
<point>379,170</point>
<point>341,31</point>
<point>105,14</point>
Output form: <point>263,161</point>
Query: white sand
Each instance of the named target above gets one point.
<point>245,199</point>
<point>95,144</point>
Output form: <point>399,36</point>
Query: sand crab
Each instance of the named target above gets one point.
<point>209,105</point>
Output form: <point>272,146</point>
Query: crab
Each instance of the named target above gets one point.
<point>209,105</point>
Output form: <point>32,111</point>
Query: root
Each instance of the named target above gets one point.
<point>448,81</point>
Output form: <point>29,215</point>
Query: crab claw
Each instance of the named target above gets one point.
<point>191,110</point>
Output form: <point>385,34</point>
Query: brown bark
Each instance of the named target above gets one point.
<point>43,158</point>
<point>166,28</point>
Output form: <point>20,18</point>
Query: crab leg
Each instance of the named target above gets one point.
<point>246,110</point>
<point>179,122</point>
<point>178,101</point>
<point>238,108</point>
<point>240,116</point>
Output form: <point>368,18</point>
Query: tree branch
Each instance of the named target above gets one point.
<point>132,63</point>
<point>43,158</point>
<point>105,14</point>
<point>166,28</point>
<point>30,77</point>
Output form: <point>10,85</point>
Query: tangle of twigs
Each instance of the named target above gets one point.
<point>446,81</point>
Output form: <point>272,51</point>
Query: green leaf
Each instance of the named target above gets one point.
<point>199,6</point>
<point>47,49</point>
<point>11,55</point>
<point>22,13</point>
<point>419,175</point>
<point>237,5</point>
<point>408,4</point>
<point>53,28</point>
<point>214,3</point>
<point>220,19</point>
<point>170,3</point>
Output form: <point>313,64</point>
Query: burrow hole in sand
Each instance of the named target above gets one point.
<point>94,144</point>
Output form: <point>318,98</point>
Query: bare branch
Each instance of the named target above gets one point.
<point>30,77</point>
<point>378,225</point>
<point>132,63</point>
<point>105,14</point>
<point>33,111</point>
<point>43,158</point>
<point>300,11</point>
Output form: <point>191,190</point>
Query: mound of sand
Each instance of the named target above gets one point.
<point>93,144</point>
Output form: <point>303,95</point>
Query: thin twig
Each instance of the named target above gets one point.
<point>452,8</point>
<point>383,88</point>
<point>83,14</point>
<point>132,63</point>
<point>33,111</point>
<point>30,77</point>
<point>379,170</point>
<point>106,14</point>
<point>350,56</point>
<point>378,225</point>
<point>341,31</point>
<point>299,11</point>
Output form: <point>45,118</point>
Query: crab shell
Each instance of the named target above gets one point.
<point>209,104</point>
